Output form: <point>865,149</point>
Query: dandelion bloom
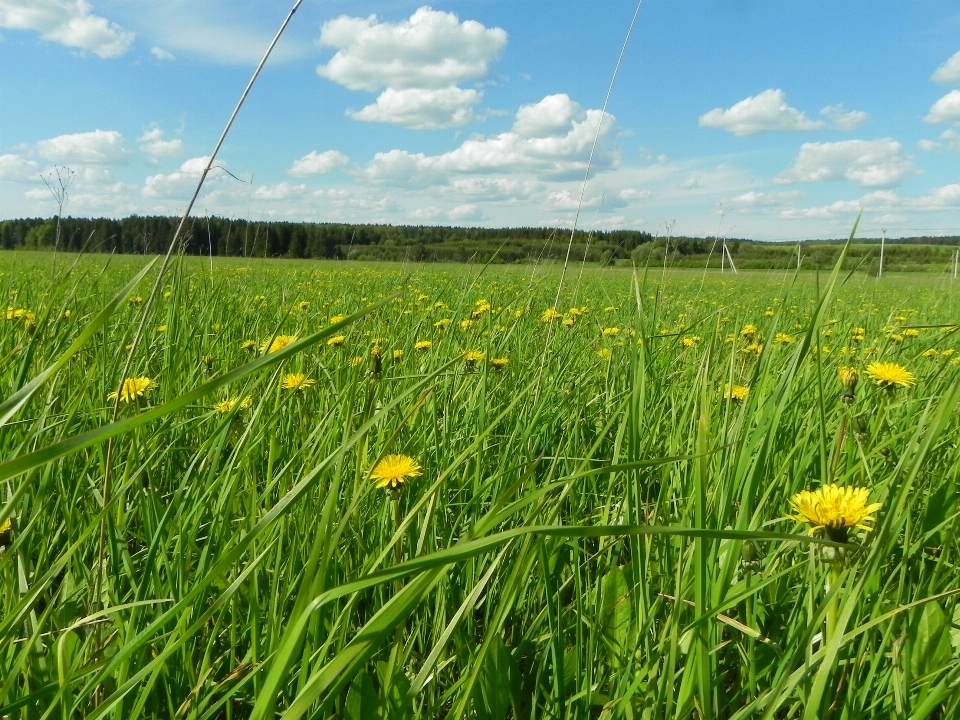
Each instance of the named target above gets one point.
<point>397,354</point>
<point>690,341</point>
<point>439,305</point>
<point>550,314</point>
<point>472,356</point>
<point>931,353</point>
<point>132,389</point>
<point>336,340</point>
<point>610,331</point>
<point>748,331</point>
<point>303,305</point>
<point>466,324</point>
<point>135,300</point>
<point>609,308</point>
<point>355,361</point>
<point>296,382</point>
<point>337,318</point>
<point>248,345</point>
<point>782,339</point>
<point>500,364</point>
<point>835,509</point>
<point>911,333</point>
<point>752,349</point>
<point>226,406</point>
<point>423,345</point>
<point>737,393</point>
<point>442,323</point>
<point>890,375</point>
<point>278,343</point>
<point>393,470</point>
<point>605,354</point>
<point>161,328</point>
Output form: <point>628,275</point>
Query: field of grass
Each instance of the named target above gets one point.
<point>601,526</point>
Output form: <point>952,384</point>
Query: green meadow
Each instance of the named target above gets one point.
<point>597,522</point>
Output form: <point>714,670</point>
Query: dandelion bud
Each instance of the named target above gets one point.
<point>848,379</point>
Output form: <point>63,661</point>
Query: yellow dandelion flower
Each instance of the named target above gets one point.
<point>500,364</point>
<point>135,300</point>
<point>337,318</point>
<point>423,345</point>
<point>356,361</point>
<point>609,308</point>
<point>835,509</point>
<point>911,333</point>
<point>472,356</point>
<point>393,471</point>
<point>441,324</point>
<point>278,343</point>
<point>748,332</point>
<point>611,331</point>
<point>225,407</point>
<point>890,375</point>
<point>737,393</point>
<point>931,353</point>
<point>550,314</point>
<point>248,345</point>
<point>303,305</point>
<point>466,324</point>
<point>689,342</point>
<point>782,339</point>
<point>336,340</point>
<point>132,389</point>
<point>161,328</point>
<point>296,382</point>
<point>605,354</point>
<point>397,354</point>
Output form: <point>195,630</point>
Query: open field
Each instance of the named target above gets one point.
<point>597,522</point>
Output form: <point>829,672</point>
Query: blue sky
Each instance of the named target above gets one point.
<point>757,119</point>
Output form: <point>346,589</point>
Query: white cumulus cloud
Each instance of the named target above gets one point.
<point>870,163</point>
<point>314,163</point>
<point>558,151</point>
<point>153,144</point>
<point>949,72</point>
<point>280,191</point>
<point>14,168</point>
<point>842,119</point>
<point>100,147</point>
<point>761,113</point>
<point>160,54</point>
<point>631,194</point>
<point>468,212</point>
<point>165,185</point>
<point>948,139</point>
<point>945,110</point>
<point>946,197</point>
<point>67,22</point>
<point>430,49</point>
<point>422,108</point>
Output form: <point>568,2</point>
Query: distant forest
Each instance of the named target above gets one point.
<point>420,243</point>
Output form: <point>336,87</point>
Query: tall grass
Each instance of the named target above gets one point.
<point>598,531</point>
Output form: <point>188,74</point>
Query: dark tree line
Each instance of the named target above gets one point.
<point>420,243</point>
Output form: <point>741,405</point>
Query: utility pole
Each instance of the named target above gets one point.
<point>883,241</point>
<point>956,257</point>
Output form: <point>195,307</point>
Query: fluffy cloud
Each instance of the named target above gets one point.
<point>67,22</point>
<point>633,194</point>
<point>870,163</point>
<point>942,198</point>
<point>417,64</point>
<point>467,212</point>
<point>495,189</point>
<point>949,72</point>
<point>314,163</point>
<point>98,147</point>
<point>14,168</point>
<point>165,185</point>
<point>153,144</point>
<point>280,191</point>
<point>945,110</point>
<point>160,54</point>
<point>842,119</point>
<point>548,149</point>
<point>432,49</point>
<point>755,199</point>
<point>949,139</point>
<point>422,108</point>
<point>761,113</point>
